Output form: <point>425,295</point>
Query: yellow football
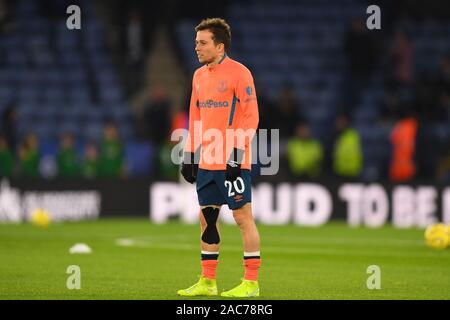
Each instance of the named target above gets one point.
<point>437,236</point>
<point>40,218</point>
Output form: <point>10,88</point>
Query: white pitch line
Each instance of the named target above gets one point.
<point>360,241</point>
<point>130,242</point>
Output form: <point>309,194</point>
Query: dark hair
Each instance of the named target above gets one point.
<point>219,28</point>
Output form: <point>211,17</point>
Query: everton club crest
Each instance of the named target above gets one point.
<point>222,86</point>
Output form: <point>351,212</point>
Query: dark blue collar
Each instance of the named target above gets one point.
<point>224,56</point>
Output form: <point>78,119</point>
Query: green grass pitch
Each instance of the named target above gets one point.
<point>154,261</point>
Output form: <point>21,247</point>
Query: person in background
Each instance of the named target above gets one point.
<point>29,156</point>
<point>304,153</point>
<point>403,166</point>
<point>166,168</point>
<point>89,167</point>
<point>347,154</point>
<point>361,52</point>
<point>157,115</point>
<point>288,112</point>
<point>6,158</point>
<point>68,162</point>
<point>9,126</point>
<point>443,78</point>
<point>111,162</point>
<point>443,167</point>
<point>402,60</point>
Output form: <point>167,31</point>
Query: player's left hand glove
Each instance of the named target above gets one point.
<point>233,170</point>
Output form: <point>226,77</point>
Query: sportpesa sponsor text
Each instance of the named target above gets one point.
<point>212,104</point>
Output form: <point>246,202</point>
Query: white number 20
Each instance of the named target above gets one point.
<point>239,187</point>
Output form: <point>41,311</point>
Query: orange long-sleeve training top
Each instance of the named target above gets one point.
<point>223,113</point>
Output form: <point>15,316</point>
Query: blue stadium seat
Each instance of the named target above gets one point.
<point>53,94</point>
<point>69,126</point>
<point>92,131</point>
<point>44,131</point>
<point>139,158</point>
<point>126,131</point>
<point>49,148</point>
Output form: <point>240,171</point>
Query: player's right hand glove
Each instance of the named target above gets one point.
<point>233,169</point>
<point>188,168</point>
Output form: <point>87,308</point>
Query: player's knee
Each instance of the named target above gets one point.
<point>242,219</point>
<point>210,234</point>
<point>202,220</point>
<point>210,215</point>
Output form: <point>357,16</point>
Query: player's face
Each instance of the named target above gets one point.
<point>207,51</point>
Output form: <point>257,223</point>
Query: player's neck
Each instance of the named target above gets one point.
<point>217,60</point>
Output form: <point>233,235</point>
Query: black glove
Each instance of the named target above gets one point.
<point>188,168</point>
<point>233,170</point>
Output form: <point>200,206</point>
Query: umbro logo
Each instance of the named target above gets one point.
<point>232,163</point>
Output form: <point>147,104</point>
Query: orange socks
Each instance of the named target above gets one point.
<point>252,262</point>
<point>209,264</point>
